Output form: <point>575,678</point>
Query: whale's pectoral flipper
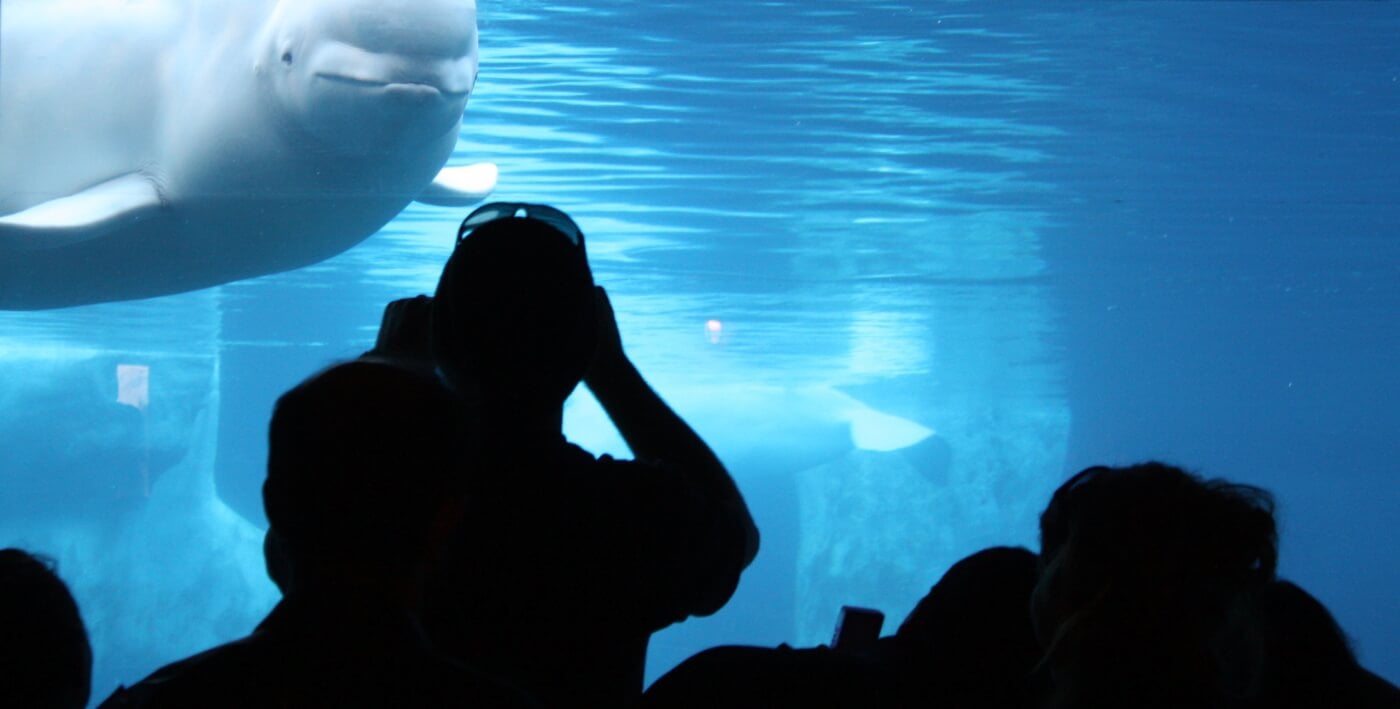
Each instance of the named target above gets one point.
<point>461,186</point>
<point>82,216</point>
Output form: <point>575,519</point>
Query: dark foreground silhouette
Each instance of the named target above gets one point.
<point>1141,567</point>
<point>968,643</point>
<point>1154,588</point>
<point>362,489</point>
<point>438,542</point>
<point>1299,656</point>
<point>565,564</point>
<point>45,659</point>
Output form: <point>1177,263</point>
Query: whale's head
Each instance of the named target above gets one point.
<point>371,76</point>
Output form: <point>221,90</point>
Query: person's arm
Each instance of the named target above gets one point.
<point>652,430</point>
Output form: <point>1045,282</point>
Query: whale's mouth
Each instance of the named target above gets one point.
<point>415,88</point>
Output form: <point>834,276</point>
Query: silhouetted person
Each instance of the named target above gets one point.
<point>1302,659</point>
<point>45,659</point>
<point>968,643</point>
<point>1141,567</point>
<point>566,563</point>
<point>362,487</point>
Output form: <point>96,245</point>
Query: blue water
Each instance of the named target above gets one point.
<point>1055,234</point>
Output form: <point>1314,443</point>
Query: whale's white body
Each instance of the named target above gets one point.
<point>150,147</point>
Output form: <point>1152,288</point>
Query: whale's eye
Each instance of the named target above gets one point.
<point>286,57</point>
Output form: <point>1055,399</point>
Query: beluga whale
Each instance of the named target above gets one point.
<point>151,147</point>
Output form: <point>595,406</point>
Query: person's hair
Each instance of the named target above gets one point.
<point>513,315</point>
<point>45,658</point>
<point>1141,567</point>
<point>360,458</point>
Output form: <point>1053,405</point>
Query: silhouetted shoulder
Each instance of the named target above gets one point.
<point>241,675</point>
<point>188,682</point>
<point>1374,692</point>
<point>1305,659</point>
<point>739,677</point>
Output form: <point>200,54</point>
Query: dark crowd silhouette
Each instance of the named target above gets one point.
<point>45,659</point>
<point>438,542</point>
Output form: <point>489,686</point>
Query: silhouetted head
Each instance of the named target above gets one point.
<point>365,462</point>
<point>514,314</point>
<point>981,603</point>
<point>1141,566</point>
<point>45,659</point>
<point>973,629</point>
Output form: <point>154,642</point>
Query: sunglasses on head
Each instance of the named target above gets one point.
<point>504,210</point>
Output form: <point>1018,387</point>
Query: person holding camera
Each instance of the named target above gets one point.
<point>565,563</point>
